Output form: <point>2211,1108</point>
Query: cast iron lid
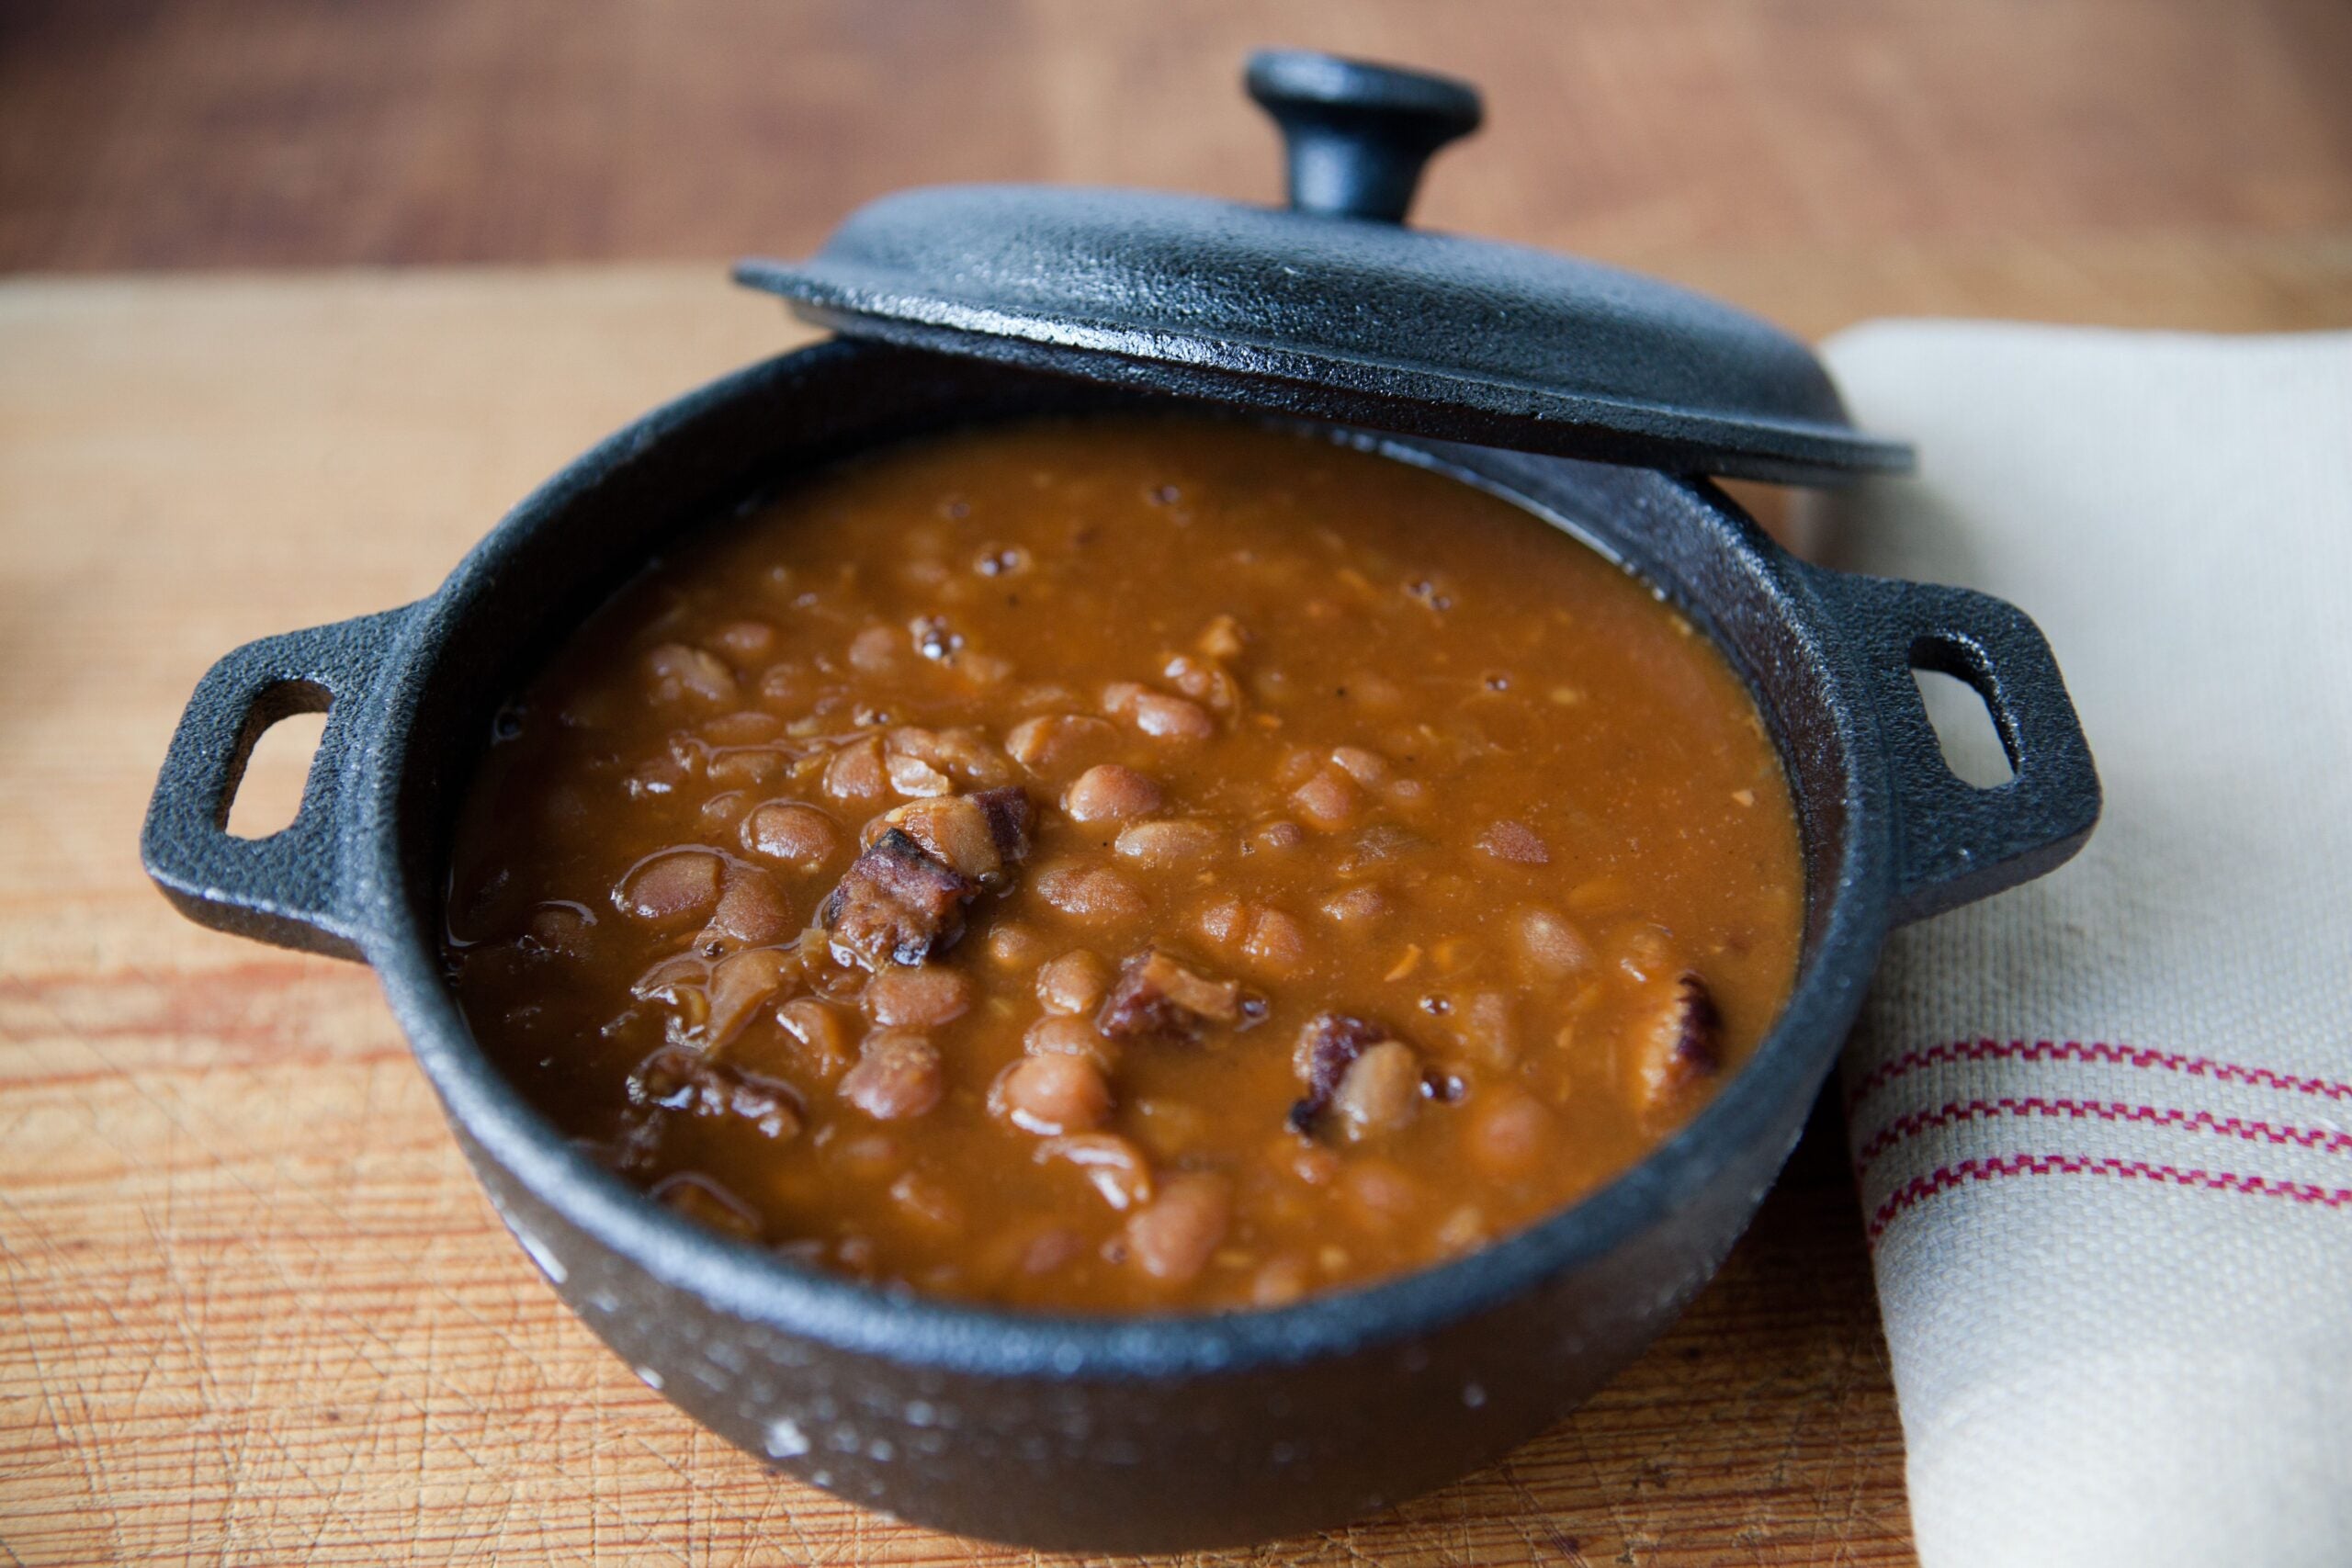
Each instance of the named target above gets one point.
<point>1332,309</point>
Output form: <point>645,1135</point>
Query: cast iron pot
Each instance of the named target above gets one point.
<point>1149,1432</point>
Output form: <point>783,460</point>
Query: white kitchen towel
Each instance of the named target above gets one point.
<point>2102,1123</point>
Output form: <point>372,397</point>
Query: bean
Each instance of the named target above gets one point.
<point>1281,1280</point>
<point>1462,1230</point>
<point>1328,800</point>
<point>820,1035</point>
<point>1059,1034</point>
<point>1483,1025</point>
<point>1380,1093</point>
<point>1225,922</point>
<point>747,641</point>
<point>669,975</point>
<point>873,650</point>
<point>984,669</point>
<point>923,997</point>
<point>1052,1094</point>
<point>913,776</point>
<point>1221,638</point>
<point>1013,946</point>
<point>896,1076</point>
<point>566,929</point>
<point>1109,793</point>
<point>1295,766</point>
<point>1051,1249</point>
<point>962,752</point>
<point>1114,1167</point>
<point>1279,836</point>
<point>1376,693</point>
<point>754,909</point>
<point>1164,717</point>
<point>655,777</point>
<point>664,889</point>
<point>927,1201</point>
<point>1364,767</point>
<point>682,673</point>
<point>1516,843</point>
<point>1204,682</point>
<point>746,766</point>
<point>1644,952</point>
<point>1093,895</point>
<point>799,835</point>
<point>1050,742</point>
<point>719,812</point>
<point>855,771</point>
<point>1409,795</point>
<point>784,685</point>
<point>1172,1239</point>
<point>1276,944</point>
<point>1549,947</point>
<point>749,728</point>
<point>913,741</point>
<point>1378,1196</point>
<point>740,984</point>
<point>870,1156</point>
<point>1312,1163</point>
<point>1510,1131</point>
<point>1357,906</point>
<point>1074,982</point>
<point>1158,846</point>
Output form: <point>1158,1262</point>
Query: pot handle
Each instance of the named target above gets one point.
<point>288,888</point>
<point>1958,842</point>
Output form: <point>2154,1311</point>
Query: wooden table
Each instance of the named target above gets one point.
<point>257,1310</point>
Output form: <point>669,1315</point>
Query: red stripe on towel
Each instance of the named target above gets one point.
<point>1911,1123</point>
<point>1943,1178</point>
<point>2098,1051</point>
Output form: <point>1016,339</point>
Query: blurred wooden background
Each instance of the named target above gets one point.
<point>211,133</point>
<point>257,1312</point>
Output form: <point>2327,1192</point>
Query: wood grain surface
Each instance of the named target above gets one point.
<point>257,1311</point>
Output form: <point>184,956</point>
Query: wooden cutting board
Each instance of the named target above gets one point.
<point>257,1310</point>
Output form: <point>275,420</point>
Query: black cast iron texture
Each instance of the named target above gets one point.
<point>1150,1432</point>
<point>1333,310</point>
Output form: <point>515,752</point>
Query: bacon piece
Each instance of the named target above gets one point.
<point>1012,817</point>
<point>1327,1046</point>
<point>903,898</point>
<point>1154,995</point>
<point>1682,1044</point>
<point>896,901</point>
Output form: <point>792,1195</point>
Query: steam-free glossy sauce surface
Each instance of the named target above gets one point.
<point>1126,864</point>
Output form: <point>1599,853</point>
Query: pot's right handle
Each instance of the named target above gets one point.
<point>1959,842</point>
<point>289,888</point>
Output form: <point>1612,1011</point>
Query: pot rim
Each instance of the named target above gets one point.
<point>764,1287</point>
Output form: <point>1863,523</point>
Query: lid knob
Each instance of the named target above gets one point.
<point>1356,133</point>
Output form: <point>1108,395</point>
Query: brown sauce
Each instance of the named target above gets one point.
<point>1126,864</point>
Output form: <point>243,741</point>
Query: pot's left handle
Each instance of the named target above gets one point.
<point>289,888</point>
